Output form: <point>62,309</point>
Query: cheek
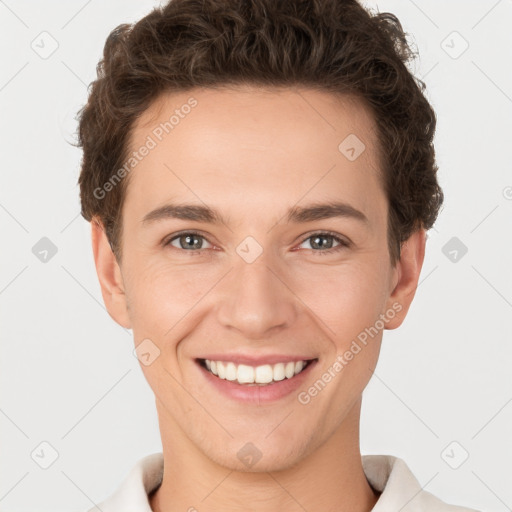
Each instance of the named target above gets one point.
<point>347,298</point>
<point>165,302</point>
<point>162,295</point>
<point>342,299</point>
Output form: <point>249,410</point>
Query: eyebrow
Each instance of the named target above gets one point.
<point>296,214</point>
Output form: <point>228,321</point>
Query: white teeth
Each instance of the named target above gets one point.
<point>289,370</point>
<point>231,371</point>
<point>221,372</point>
<point>263,374</point>
<point>245,374</point>
<point>279,371</point>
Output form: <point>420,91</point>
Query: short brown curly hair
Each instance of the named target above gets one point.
<point>335,46</point>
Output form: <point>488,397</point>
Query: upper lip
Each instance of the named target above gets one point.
<point>259,360</point>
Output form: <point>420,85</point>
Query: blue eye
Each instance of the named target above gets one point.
<point>187,241</point>
<point>317,242</point>
<point>190,241</point>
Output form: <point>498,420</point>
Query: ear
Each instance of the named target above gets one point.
<point>109,275</point>
<point>406,275</point>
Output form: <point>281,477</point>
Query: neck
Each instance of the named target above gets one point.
<point>330,478</point>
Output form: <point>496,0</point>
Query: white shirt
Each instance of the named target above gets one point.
<point>386,474</point>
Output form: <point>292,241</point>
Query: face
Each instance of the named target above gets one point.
<point>254,245</point>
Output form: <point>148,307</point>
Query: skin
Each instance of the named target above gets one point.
<point>251,154</point>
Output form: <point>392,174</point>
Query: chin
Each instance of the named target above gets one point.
<point>247,456</point>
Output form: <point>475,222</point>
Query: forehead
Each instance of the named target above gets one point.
<point>242,111</point>
<point>251,144</point>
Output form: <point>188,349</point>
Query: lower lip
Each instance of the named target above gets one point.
<point>258,394</point>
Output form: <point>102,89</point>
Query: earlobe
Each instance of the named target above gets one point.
<point>109,275</point>
<point>408,270</point>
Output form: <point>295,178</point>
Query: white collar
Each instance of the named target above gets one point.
<point>387,474</point>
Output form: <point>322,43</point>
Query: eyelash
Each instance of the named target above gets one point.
<point>343,244</point>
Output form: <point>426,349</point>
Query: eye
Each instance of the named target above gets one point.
<point>187,241</point>
<point>320,243</point>
<point>323,242</point>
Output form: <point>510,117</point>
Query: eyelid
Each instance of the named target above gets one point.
<point>334,234</point>
<point>343,241</point>
<point>167,240</point>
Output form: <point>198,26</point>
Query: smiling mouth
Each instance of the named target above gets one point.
<point>262,375</point>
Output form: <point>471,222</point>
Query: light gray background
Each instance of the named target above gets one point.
<point>68,375</point>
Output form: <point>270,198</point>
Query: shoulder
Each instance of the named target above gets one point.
<point>399,488</point>
<point>132,494</point>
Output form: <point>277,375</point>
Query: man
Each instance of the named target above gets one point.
<point>259,176</point>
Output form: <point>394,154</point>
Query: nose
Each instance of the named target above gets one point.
<point>256,299</point>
